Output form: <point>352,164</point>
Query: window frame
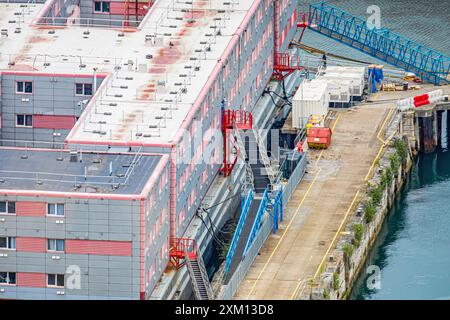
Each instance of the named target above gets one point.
<point>55,204</point>
<point>24,125</point>
<point>7,208</point>
<point>24,86</point>
<point>55,243</point>
<point>56,280</point>
<point>8,243</point>
<point>102,9</point>
<point>8,277</point>
<point>83,89</point>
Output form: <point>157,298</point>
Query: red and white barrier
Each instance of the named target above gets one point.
<point>420,100</point>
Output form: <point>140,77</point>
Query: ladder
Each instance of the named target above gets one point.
<point>264,157</point>
<point>199,277</point>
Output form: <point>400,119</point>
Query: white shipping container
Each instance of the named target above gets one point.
<point>311,98</point>
<point>339,90</point>
<point>356,81</point>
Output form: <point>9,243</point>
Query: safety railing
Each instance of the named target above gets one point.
<point>180,248</point>
<point>237,233</point>
<point>277,209</point>
<point>258,219</point>
<point>294,179</point>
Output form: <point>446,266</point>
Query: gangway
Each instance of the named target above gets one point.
<point>392,48</point>
<point>236,258</point>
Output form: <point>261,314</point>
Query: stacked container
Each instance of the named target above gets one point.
<point>311,99</point>
<point>355,76</point>
<point>339,90</point>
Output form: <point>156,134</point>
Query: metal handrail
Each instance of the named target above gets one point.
<point>237,233</point>
<point>258,220</point>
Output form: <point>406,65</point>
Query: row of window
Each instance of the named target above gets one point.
<point>53,209</point>
<point>26,120</point>
<point>81,89</point>
<point>53,280</point>
<point>53,245</point>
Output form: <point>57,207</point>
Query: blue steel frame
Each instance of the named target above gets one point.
<point>258,221</point>
<point>387,46</point>
<point>277,210</point>
<point>245,209</point>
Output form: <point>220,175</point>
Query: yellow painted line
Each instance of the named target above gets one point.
<point>331,244</point>
<point>373,163</point>
<point>295,214</point>
<point>336,121</point>
<point>382,146</point>
<point>388,116</point>
<point>332,129</point>
<point>284,233</point>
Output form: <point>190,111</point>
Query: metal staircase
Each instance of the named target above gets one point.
<point>264,157</point>
<point>382,44</point>
<point>249,178</point>
<point>199,277</point>
<point>233,120</point>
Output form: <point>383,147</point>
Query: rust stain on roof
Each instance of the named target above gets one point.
<point>36,39</point>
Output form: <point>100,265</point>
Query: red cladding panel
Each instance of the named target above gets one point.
<point>30,279</point>
<point>31,209</point>
<point>117,7</point>
<point>30,244</point>
<point>100,247</point>
<point>53,122</point>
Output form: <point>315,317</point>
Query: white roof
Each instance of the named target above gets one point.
<point>346,69</point>
<point>62,51</point>
<point>353,77</point>
<point>313,90</point>
<point>131,110</point>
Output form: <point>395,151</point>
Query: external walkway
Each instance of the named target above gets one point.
<point>318,207</point>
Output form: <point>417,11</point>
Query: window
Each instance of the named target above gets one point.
<point>24,120</point>
<point>55,209</point>
<point>8,243</point>
<point>55,280</point>
<point>83,89</point>
<point>24,87</point>
<point>7,278</point>
<point>55,245</point>
<point>101,6</point>
<point>7,207</point>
